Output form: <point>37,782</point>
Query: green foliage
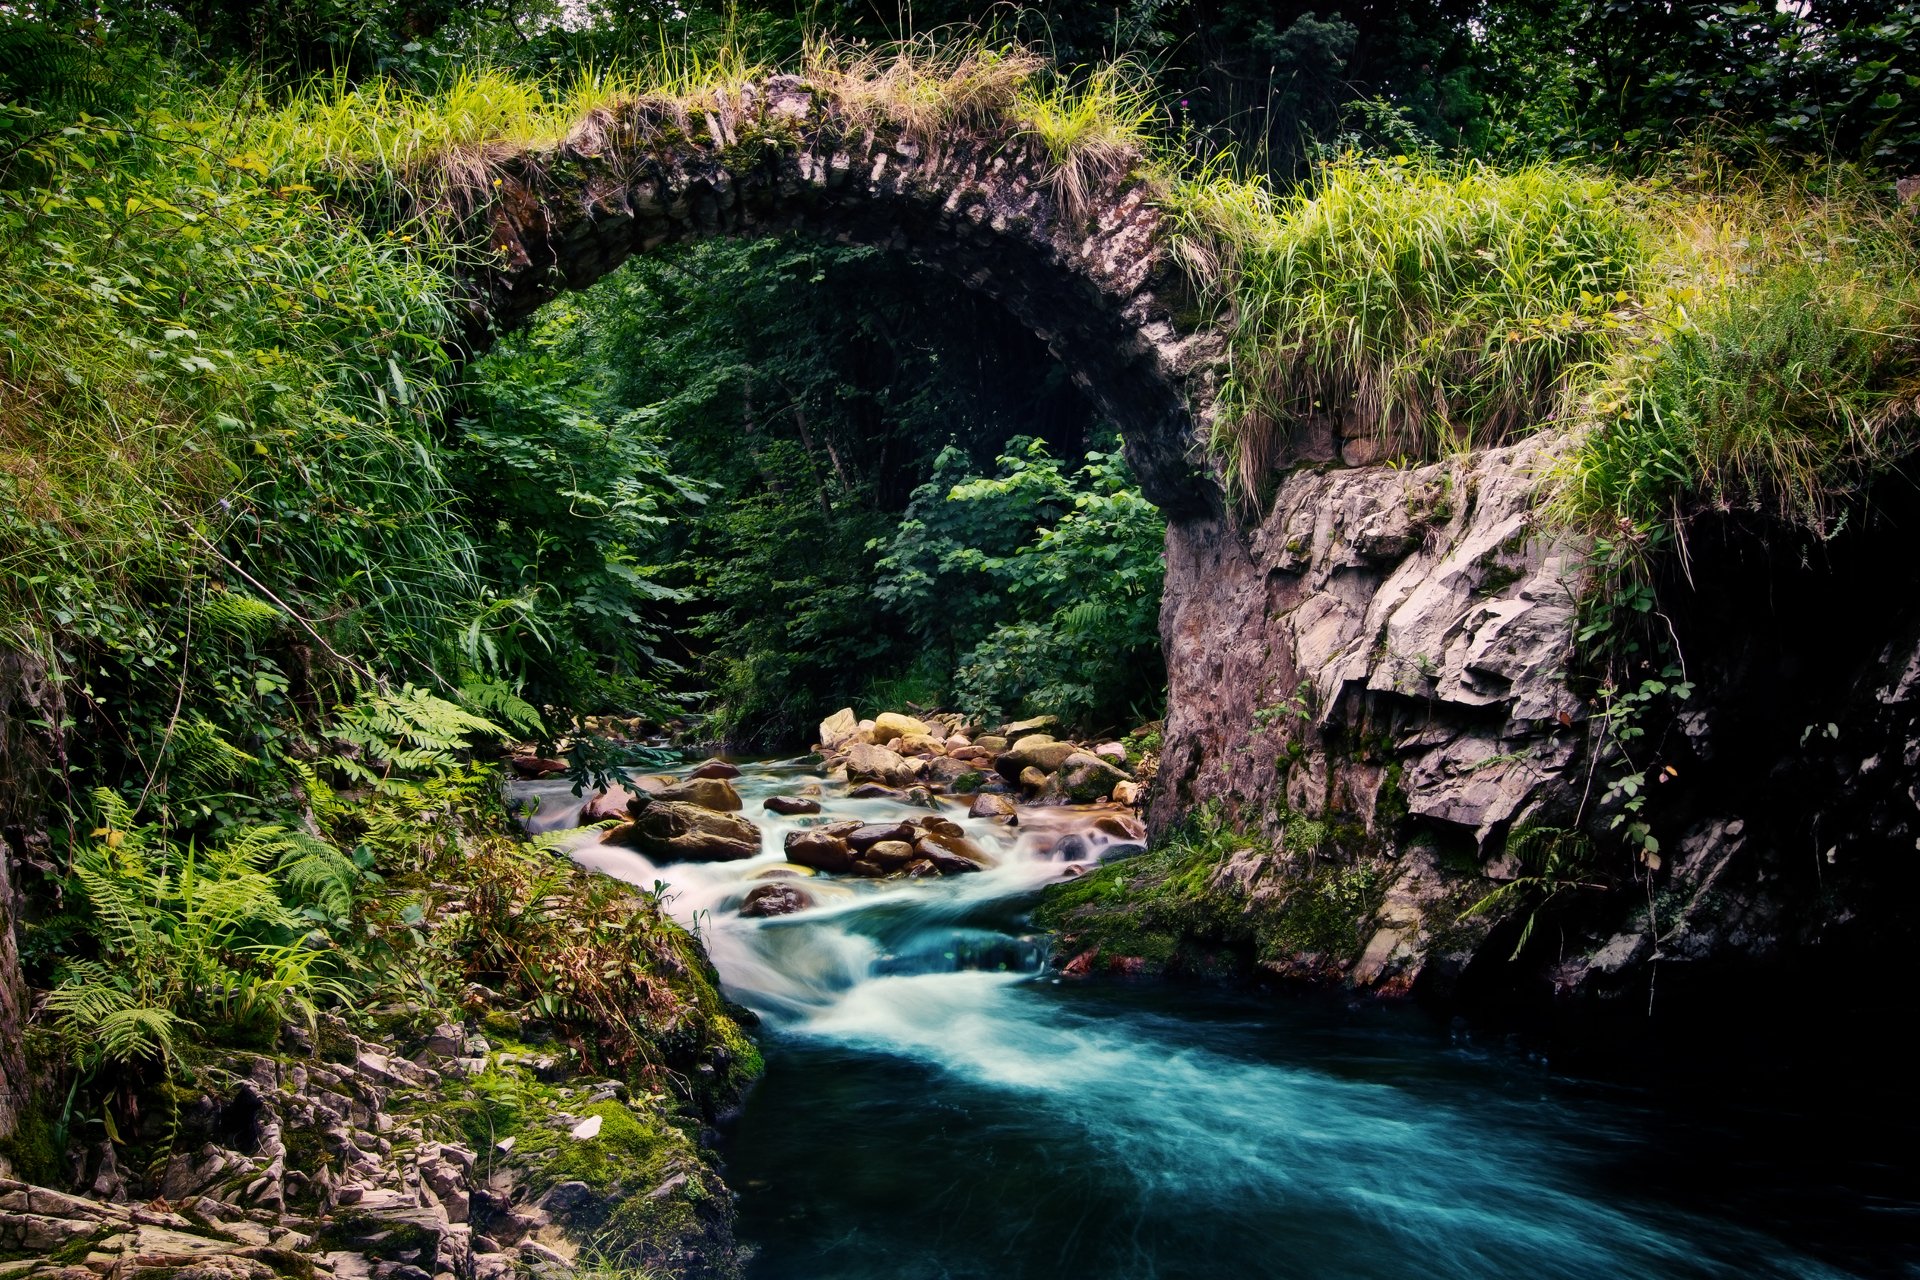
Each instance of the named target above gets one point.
<point>1554,862</point>
<point>1781,377</point>
<point>407,731</point>
<point>189,939</point>
<point>1049,582</point>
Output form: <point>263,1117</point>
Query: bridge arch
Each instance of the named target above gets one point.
<point>979,204</point>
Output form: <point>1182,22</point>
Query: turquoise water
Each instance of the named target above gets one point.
<point>938,1107</point>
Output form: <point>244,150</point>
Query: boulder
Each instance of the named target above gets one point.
<point>1113,753</point>
<point>990,743</point>
<point>889,725</point>
<point>957,741</point>
<point>1127,793</point>
<point>1085,777</point>
<point>775,898</point>
<point>708,793</point>
<point>820,848</point>
<point>1120,826</point>
<point>1018,727</point>
<point>790,805</point>
<point>920,744</point>
<point>673,829</point>
<point>945,861</point>
<point>612,802</point>
<point>958,845</point>
<point>869,763</point>
<point>1034,779</point>
<point>948,770</point>
<point>1036,750</point>
<point>839,729</point>
<point>716,769</point>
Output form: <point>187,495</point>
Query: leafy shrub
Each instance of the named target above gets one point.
<point>1045,586</point>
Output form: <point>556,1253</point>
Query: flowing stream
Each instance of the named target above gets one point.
<point>938,1107</point>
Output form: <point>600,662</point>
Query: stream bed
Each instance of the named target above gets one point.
<point>938,1106</point>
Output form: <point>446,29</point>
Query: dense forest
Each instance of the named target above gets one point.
<point>291,543</point>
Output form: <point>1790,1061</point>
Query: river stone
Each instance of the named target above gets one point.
<point>891,854</point>
<point>790,805</point>
<point>1085,777</point>
<point>1036,750</point>
<point>922,869</point>
<point>945,861</point>
<point>609,803</point>
<point>673,829</point>
<point>874,791</point>
<point>945,826</point>
<point>1034,779</point>
<point>1127,793</point>
<point>867,762</point>
<point>537,766</point>
<point>889,725</point>
<point>716,769</point>
<point>867,835</point>
<point>989,805</point>
<point>946,769</point>
<point>1112,752</point>
<point>1018,727</point>
<point>957,845</point>
<point>990,743</point>
<point>708,793</point>
<point>1120,826</point>
<point>839,729</point>
<point>957,741</point>
<point>820,849</point>
<point>777,898</point>
<point>925,744</point>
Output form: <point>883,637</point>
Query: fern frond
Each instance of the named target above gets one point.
<point>233,616</point>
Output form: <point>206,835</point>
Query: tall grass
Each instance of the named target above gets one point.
<point>1780,375</point>
<point>1432,306</point>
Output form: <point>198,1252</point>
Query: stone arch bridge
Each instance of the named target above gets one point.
<point>1358,596</point>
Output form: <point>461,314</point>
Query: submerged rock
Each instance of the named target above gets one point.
<point>775,898</point>
<point>716,769</point>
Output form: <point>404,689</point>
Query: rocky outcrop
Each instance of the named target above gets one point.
<point>930,846</point>
<point>678,830</point>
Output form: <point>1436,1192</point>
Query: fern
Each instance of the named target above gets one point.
<point>497,699</point>
<point>407,732</point>
<point>202,759</point>
<point>234,616</point>
<point>185,936</point>
<point>1553,860</point>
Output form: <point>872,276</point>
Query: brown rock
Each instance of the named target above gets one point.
<point>839,729</point>
<point>1127,793</point>
<point>612,802</point>
<point>1085,777</point>
<point>672,829</point>
<point>819,848</point>
<point>537,766</point>
<point>990,743</point>
<point>874,791</point>
<point>790,805</point>
<point>891,854</point>
<point>709,793</point>
<point>1034,779</point>
<point>988,805</point>
<point>867,835</point>
<point>869,763</point>
<point>776,898</point>
<point>1036,751</point>
<point>889,725</point>
<point>920,744</point>
<point>1120,826</point>
<point>716,769</point>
